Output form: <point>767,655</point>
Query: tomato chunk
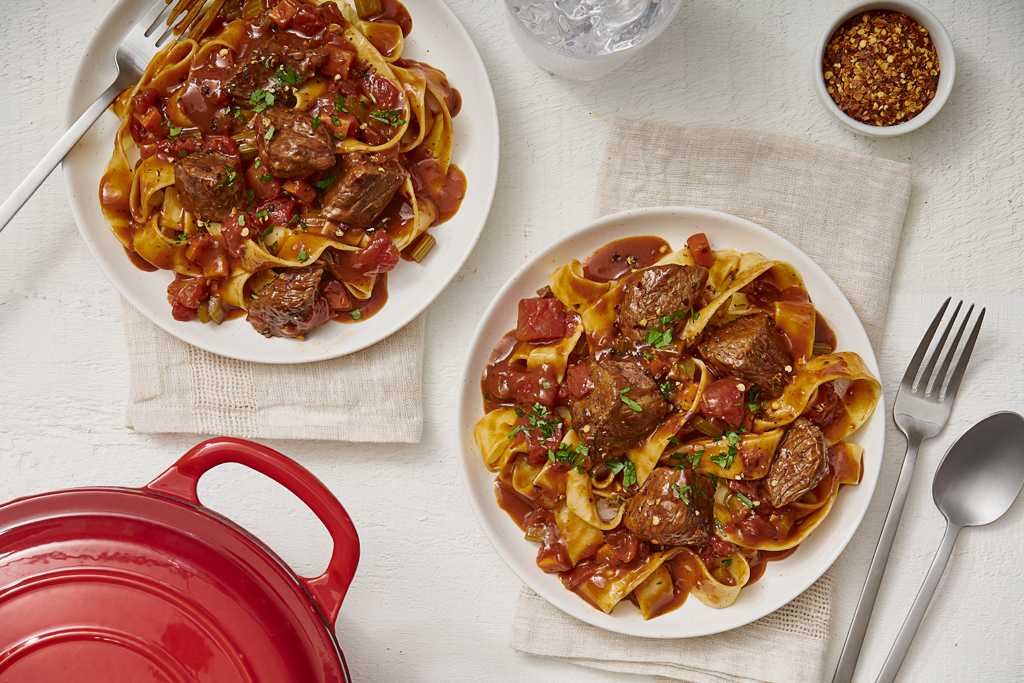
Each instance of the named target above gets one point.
<point>283,13</point>
<point>380,256</point>
<point>264,185</point>
<point>540,319</point>
<point>339,61</point>
<point>700,250</point>
<point>579,381</point>
<point>301,190</point>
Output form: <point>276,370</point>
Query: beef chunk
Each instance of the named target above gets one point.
<point>673,507</point>
<point>604,420</point>
<point>362,188</point>
<point>292,149</point>
<point>210,184</point>
<point>257,70</point>
<point>752,348</point>
<point>802,462</point>
<point>291,305</point>
<point>654,292</point>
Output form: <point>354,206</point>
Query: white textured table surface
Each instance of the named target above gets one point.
<point>431,600</point>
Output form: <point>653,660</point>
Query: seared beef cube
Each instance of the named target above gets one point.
<point>288,144</point>
<point>291,305</point>
<point>802,462</point>
<point>659,291</point>
<point>210,184</point>
<point>258,70</point>
<point>752,348</point>
<point>673,507</point>
<point>362,188</point>
<point>623,405</point>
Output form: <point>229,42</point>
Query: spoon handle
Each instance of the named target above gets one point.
<point>906,636</point>
<point>862,615</point>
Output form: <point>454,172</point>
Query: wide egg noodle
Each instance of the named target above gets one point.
<point>795,522</point>
<point>610,585</point>
<point>582,500</point>
<point>491,436</point>
<point>555,354</point>
<point>694,575</point>
<point>754,453</point>
<point>859,399</point>
<point>579,537</point>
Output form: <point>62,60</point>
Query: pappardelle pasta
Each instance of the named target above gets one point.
<point>666,422</point>
<point>283,160</point>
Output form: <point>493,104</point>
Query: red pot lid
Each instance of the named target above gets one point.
<point>140,585</point>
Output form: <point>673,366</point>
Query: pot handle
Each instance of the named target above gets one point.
<point>181,479</point>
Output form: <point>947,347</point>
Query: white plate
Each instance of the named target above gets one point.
<point>783,580</point>
<point>438,39</point>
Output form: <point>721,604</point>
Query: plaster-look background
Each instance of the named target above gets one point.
<point>431,601</point>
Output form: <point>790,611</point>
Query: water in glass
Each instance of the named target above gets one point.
<point>591,27</point>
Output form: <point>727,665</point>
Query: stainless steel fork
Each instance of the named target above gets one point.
<point>137,48</point>
<point>921,411</point>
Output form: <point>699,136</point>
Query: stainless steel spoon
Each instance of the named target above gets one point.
<point>976,483</point>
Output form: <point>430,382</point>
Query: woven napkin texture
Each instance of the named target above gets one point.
<point>373,395</point>
<point>845,210</point>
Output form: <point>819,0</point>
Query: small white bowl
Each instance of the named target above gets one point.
<point>943,47</point>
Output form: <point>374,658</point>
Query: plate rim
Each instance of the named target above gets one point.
<point>468,394</point>
<point>280,351</point>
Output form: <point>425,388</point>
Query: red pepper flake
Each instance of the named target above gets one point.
<point>881,68</point>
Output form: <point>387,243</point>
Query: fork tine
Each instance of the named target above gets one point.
<point>915,362</point>
<point>961,366</point>
<point>948,360</point>
<point>923,383</point>
<point>152,18</point>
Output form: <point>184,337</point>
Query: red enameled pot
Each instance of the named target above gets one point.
<point>121,585</point>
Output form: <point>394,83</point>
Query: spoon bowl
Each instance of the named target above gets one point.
<point>983,472</point>
<point>976,483</point>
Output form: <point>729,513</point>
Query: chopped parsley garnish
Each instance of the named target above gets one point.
<point>718,524</point>
<point>339,105</point>
<point>266,232</point>
<point>666,393</point>
<point>256,164</point>
<point>540,418</point>
<point>695,458</point>
<point>261,99</point>
<point>727,563</point>
<point>294,219</point>
<point>753,400</point>
<point>325,182</point>
<point>694,314</point>
<point>372,98</point>
<point>316,122</point>
<point>519,411</point>
<point>673,440</point>
<point>266,178</point>
<point>725,460</point>
<point>657,338</point>
<point>303,256</point>
<point>572,457</point>
<point>356,314</point>
<point>174,133</point>
<point>630,403</point>
<point>241,219</point>
<point>270,133</point>
<point>252,195</point>
<point>681,491</point>
<point>746,501</point>
<point>262,214</point>
<point>546,385</point>
<point>627,468</point>
<point>388,116</point>
<point>288,76</point>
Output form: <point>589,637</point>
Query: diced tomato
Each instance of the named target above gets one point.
<point>336,294</point>
<point>279,210</point>
<point>222,144</point>
<point>724,400</point>
<point>264,189</point>
<point>207,251</point>
<point>383,92</point>
<point>182,313</point>
<point>540,319</point>
<point>331,13</point>
<point>185,294</point>
<point>283,13</point>
<point>153,121</point>
<point>339,61</point>
<point>307,21</point>
<point>301,190</point>
<point>827,406</point>
<point>700,250</point>
<point>143,100</point>
<point>380,256</point>
<point>579,381</point>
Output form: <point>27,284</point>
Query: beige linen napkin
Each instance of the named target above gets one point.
<point>373,395</point>
<point>845,211</point>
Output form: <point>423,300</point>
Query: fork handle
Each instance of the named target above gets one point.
<point>43,169</point>
<point>862,615</point>
<point>924,597</point>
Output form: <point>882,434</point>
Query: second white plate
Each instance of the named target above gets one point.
<point>784,580</point>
